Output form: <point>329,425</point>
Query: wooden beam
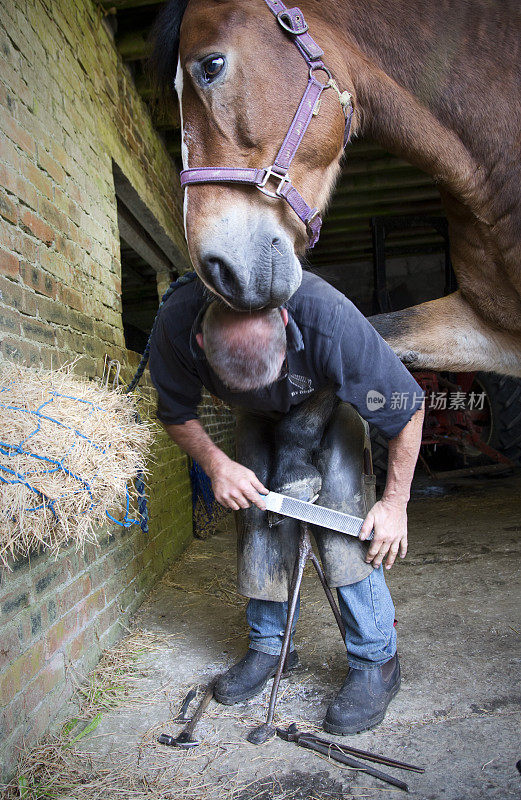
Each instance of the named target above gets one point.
<point>349,195</point>
<point>352,237</point>
<point>427,207</point>
<point>173,145</point>
<point>354,250</point>
<point>376,165</point>
<point>359,147</point>
<point>144,86</point>
<point>164,119</point>
<point>352,184</point>
<point>369,204</point>
<point>174,251</point>
<point>168,118</point>
<point>365,257</point>
<point>139,240</point>
<point>335,238</point>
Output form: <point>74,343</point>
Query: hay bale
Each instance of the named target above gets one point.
<point>69,449</point>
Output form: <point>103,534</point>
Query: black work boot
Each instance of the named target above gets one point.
<point>249,676</point>
<point>363,699</point>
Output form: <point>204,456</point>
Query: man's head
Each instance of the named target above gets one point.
<point>245,350</point>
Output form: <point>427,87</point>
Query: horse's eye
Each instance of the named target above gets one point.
<point>212,67</point>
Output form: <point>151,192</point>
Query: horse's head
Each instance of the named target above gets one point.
<point>239,80</point>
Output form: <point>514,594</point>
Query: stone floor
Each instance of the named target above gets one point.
<point>458,714</point>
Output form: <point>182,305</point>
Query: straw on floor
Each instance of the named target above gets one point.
<point>69,449</point>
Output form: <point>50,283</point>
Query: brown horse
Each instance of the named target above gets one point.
<point>438,84</point>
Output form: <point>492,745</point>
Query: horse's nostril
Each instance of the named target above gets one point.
<point>220,275</point>
<point>213,266</point>
<point>227,277</point>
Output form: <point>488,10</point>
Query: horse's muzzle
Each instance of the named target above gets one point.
<point>250,269</point>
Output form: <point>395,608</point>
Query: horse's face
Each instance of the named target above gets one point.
<point>239,82</point>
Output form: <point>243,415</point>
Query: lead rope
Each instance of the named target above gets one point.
<point>139,480</point>
<point>186,278</point>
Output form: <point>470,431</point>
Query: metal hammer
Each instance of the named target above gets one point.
<point>183,711</point>
<point>185,738</point>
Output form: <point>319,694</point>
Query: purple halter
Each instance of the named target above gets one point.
<point>293,22</point>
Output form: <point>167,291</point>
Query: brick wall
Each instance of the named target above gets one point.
<point>219,422</point>
<point>68,110</point>
<point>56,616</point>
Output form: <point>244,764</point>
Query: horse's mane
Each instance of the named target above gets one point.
<point>165,46</point>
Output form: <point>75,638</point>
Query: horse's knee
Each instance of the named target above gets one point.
<point>448,334</point>
<point>303,426</point>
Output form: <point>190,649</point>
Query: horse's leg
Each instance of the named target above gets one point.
<point>477,327</point>
<point>297,436</point>
<point>448,334</point>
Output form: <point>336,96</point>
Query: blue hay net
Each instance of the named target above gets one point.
<point>202,488</point>
<point>206,511</point>
<point>12,476</point>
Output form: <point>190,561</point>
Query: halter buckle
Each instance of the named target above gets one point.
<point>272,172</point>
<point>284,15</point>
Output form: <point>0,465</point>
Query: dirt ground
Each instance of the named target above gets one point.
<point>458,607</point>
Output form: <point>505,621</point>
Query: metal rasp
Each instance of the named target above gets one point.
<point>316,515</point>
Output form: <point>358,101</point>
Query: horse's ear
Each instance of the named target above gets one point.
<point>164,38</point>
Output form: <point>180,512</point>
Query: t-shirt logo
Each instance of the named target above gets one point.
<point>374,400</point>
<point>304,385</point>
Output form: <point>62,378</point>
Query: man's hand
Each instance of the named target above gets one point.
<point>389,520</point>
<point>388,516</point>
<point>235,486</point>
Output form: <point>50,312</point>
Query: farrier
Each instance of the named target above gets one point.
<point>305,380</point>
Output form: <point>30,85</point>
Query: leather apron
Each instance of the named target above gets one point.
<point>266,555</point>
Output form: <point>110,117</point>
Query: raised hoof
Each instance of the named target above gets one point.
<point>304,489</point>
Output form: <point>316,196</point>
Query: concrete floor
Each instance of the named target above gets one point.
<point>458,714</point>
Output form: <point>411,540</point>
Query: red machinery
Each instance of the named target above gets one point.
<point>459,414</point>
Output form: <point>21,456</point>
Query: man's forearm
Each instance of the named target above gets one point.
<point>234,486</point>
<point>402,457</point>
<point>193,439</point>
<point>388,517</point>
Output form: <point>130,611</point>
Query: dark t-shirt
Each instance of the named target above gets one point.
<point>329,342</point>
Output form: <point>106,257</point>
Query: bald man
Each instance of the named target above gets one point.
<point>305,381</point>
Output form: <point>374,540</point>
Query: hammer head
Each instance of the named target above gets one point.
<point>183,740</point>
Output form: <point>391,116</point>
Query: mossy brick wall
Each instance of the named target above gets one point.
<point>68,109</point>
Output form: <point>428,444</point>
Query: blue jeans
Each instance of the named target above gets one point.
<point>367,611</point>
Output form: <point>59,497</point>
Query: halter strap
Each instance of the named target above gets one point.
<point>292,21</point>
